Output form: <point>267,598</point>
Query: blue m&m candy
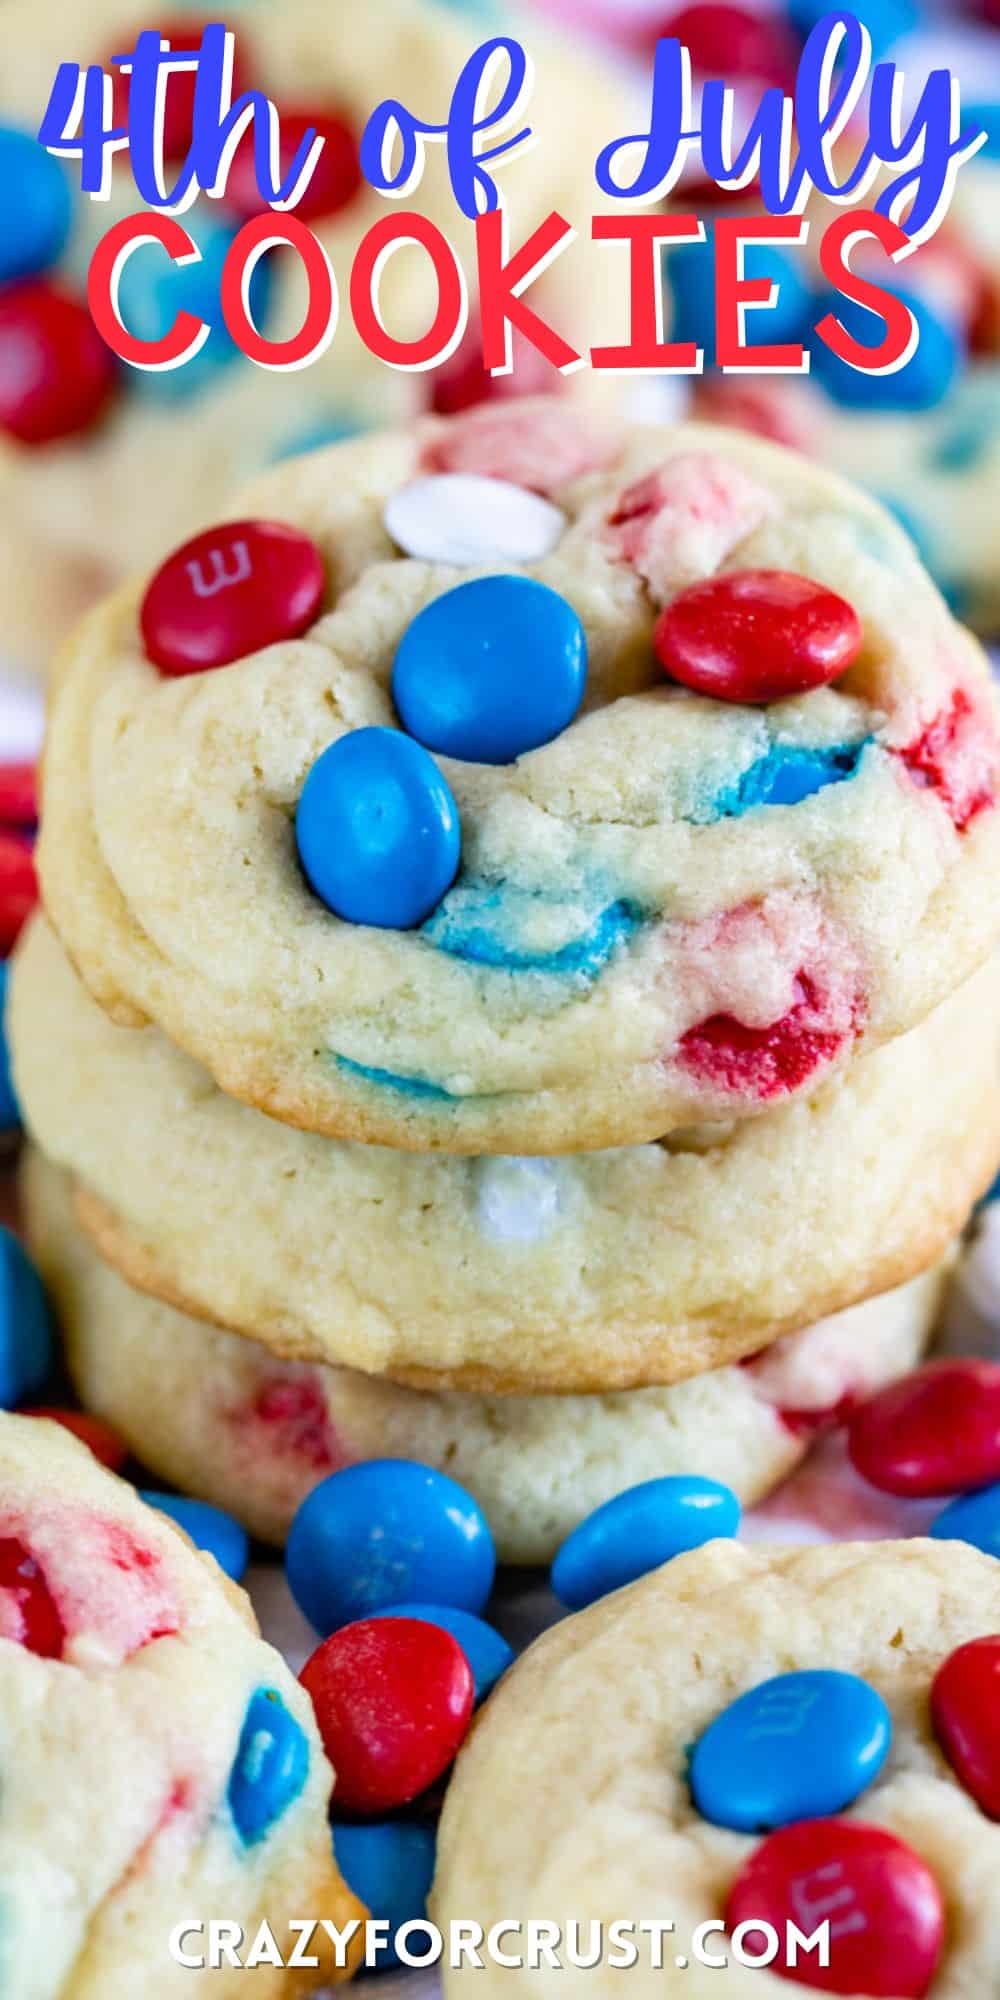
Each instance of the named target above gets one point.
<point>491,670</point>
<point>390,1868</point>
<point>484,1647</point>
<point>26,1345</point>
<point>208,1527</point>
<point>690,270</point>
<point>154,290</point>
<point>37,208</point>
<point>922,382</point>
<point>270,1767</point>
<point>797,1747</point>
<point>638,1531</point>
<point>974,1518</point>
<point>885,20</point>
<point>378,830</point>
<point>385,1533</point>
<point>10,1115</point>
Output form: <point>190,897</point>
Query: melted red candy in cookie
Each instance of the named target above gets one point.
<point>956,757</point>
<point>763,1062</point>
<point>56,375</point>
<point>882,1903</point>
<point>808,1423</point>
<point>295,1412</point>
<point>28,1613</point>
<point>336,178</point>
<point>686,518</point>
<point>757,635</point>
<point>540,446</point>
<point>18,889</point>
<point>965,1707</point>
<point>393,1700</point>
<point>937,1431</point>
<point>229,591</point>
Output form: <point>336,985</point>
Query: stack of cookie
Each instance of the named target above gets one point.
<point>518,951</point>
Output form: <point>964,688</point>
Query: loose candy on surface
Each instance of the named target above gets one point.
<point>38,213</point>
<point>486,1650</point>
<point>390,1867</point>
<point>920,384</point>
<point>183,32</point>
<point>491,670</point>
<point>965,1708</point>
<point>797,1746</point>
<point>107,1447</point>
<point>56,375</point>
<point>454,517</point>
<point>10,1112</point>
<point>757,636</point>
<point>228,592</point>
<point>209,1528</point>
<point>18,888</point>
<point>690,272</point>
<point>383,1533</point>
<point>26,1343</point>
<point>974,1518</point>
<point>393,1700</point>
<point>153,290</point>
<point>270,1767</point>
<point>378,830</point>
<point>883,1905</point>
<point>935,1432</point>
<point>18,794</point>
<point>336,178</point>
<point>637,1531</point>
<point>733,42</point>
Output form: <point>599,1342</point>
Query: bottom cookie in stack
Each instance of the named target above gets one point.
<point>224,1418</point>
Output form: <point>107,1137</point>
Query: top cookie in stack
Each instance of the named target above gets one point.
<point>504,787</point>
<point>653,782</point>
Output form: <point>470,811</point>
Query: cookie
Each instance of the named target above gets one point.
<point>684,906</point>
<point>937,470</point>
<point>178,1772</point>
<point>261,1433</point>
<point>597,1272</point>
<point>643,1676</point>
<point>81,504</point>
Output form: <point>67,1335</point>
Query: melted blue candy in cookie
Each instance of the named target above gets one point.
<point>270,1768</point>
<point>415,1086</point>
<point>491,925</point>
<point>787,774</point>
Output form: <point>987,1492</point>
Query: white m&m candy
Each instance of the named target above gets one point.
<point>458,517</point>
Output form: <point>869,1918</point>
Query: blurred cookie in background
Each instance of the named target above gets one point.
<point>101,463</point>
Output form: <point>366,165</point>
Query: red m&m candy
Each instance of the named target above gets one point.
<point>28,1613</point>
<point>56,375</point>
<point>757,635</point>
<point>882,1904</point>
<point>336,177</point>
<point>965,1708</point>
<point>228,592</point>
<point>732,42</point>
<point>393,1700</point>
<point>18,889</point>
<point>936,1431</point>
<point>105,1444</point>
<point>182,32</point>
<point>18,795</point>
